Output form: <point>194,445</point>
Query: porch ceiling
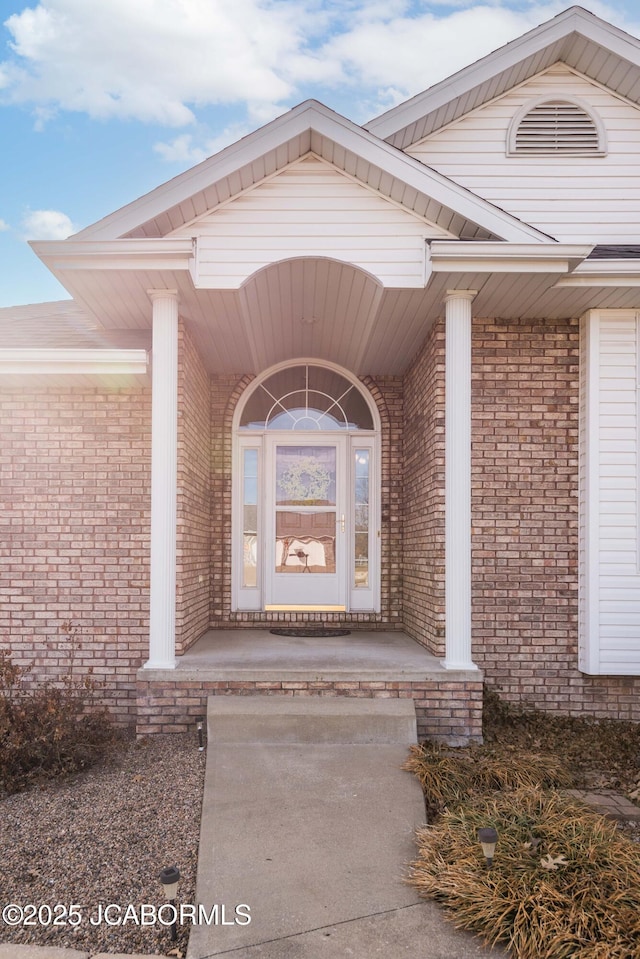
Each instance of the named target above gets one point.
<point>329,310</point>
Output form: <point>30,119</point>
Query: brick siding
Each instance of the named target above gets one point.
<point>423,541</point>
<point>75,486</point>
<point>525,521</point>
<point>193,559</point>
<point>74,483</point>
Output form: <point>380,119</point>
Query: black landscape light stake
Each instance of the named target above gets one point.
<point>170,877</point>
<point>488,838</point>
<point>200,727</point>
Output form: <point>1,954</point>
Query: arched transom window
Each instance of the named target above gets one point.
<point>306,397</point>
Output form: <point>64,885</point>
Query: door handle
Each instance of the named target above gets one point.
<point>342,524</point>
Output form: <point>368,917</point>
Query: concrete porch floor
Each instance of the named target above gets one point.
<point>240,654</point>
<point>365,664</point>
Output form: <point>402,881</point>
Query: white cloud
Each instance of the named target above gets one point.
<point>180,150</point>
<point>404,55</point>
<point>187,149</point>
<point>153,60</point>
<point>4,226</point>
<point>47,225</point>
<point>391,56</point>
<point>163,61</point>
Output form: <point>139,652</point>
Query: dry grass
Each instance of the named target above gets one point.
<point>451,776</point>
<point>584,904</point>
<point>566,882</point>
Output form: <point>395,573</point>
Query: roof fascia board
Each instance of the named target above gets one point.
<point>341,131</point>
<point>489,257</point>
<point>103,361</point>
<point>574,20</point>
<point>612,266</point>
<point>156,254</point>
<point>621,273</point>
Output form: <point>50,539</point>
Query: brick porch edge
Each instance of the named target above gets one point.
<point>448,711</point>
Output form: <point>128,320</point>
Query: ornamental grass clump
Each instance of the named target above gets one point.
<point>450,776</point>
<point>564,882</point>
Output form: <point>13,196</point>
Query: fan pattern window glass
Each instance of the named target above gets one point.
<point>306,398</point>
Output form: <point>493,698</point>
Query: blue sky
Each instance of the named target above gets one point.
<point>102,100</point>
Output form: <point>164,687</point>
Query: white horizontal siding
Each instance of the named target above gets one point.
<point>609,523</point>
<point>574,198</point>
<point>310,209</point>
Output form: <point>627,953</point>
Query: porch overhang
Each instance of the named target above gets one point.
<point>330,308</point>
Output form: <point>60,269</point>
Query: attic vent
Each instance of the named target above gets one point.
<point>557,127</point>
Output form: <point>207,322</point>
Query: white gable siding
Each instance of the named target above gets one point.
<point>573,198</point>
<point>310,209</point>
<point>609,521</point>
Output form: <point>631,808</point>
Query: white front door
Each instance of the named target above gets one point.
<point>306,528</point>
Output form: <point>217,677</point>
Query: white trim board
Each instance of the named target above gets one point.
<point>609,518</point>
<point>104,361</point>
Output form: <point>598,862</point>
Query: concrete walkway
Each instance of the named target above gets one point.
<point>309,820</point>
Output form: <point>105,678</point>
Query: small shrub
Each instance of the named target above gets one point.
<point>48,730</point>
<point>564,882</point>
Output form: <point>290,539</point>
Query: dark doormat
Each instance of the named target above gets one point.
<point>309,631</point>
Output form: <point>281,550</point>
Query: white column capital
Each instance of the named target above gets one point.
<point>161,294</point>
<point>460,295</point>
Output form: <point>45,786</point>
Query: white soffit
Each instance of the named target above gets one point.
<point>310,127</point>
<point>576,37</point>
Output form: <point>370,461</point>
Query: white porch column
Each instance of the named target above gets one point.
<point>458,480</point>
<point>164,457</point>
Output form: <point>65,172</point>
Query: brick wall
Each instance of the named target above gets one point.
<point>525,520</point>
<point>225,393</point>
<point>423,542</point>
<point>193,560</point>
<point>74,485</point>
<point>387,394</point>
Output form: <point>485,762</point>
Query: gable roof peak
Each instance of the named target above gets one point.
<point>573,37</point>
<point>309,127</point>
